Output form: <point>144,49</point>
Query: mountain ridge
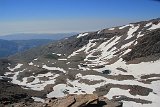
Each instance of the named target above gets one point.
<point>28,36</point>
<point>120,63</point>
<point>11,47</point>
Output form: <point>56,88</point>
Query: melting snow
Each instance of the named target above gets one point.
<point>136,43</point>
<point>137,70</point>
<point>82,88</point>
<point>105,46</point>
<point>148,24</point>
<point>8,73</point>
<point>1,77</point>
<point>131,31</point>
<point>90,45</point>
<point>140,35</point>
<point>77,52</point>
<point>53,68</point>
<point>38,99</point>
<point>16,67</point>
<point>62,59</point>
<point>35,59</point>
<point>99,31</point>
<point>154,26</point>
<point>31,63</point>
<point>37,84</point>
<point>111,28</point>
<point>127,44</point>
<point>83,68</point>
<point>78,75</point>
<point>128,50</point>
<point>151,97</point>
<point>58,91</point>
<point>59,54</point>
<point>68,63</point>
<point>122,27</point>
<point>82,34</point>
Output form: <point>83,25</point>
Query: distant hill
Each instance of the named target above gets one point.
<point>11,44</point>
<point>28,36</point>
<point>10,47</point>
<point>7,48</point>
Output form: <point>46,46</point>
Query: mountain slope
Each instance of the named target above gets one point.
<point>121,63</point>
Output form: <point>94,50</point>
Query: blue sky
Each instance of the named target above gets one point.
<point>53,16</point>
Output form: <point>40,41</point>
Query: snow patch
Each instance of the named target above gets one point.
<point>62,59</point>
<point>82,34</point>
<point>38,99</point>
<point>16,67</point>
<point>148,24</point>
<point>127,45</point>
<point>154,26</point>
<point>35,59</point>
<point>99,32</point>
<point>140,35</point>
<point>59,54</point>
<point>111,28</point>
<point>78,75</point>
<point>77,52</point>
<point>31,63</point>
<point>122,27</point>
<point>68,63</point>
<point>1,77</point>
<point>127,51</point>
<point>58,91</point>
<point>131,31</point>
<point>151,97</point>
<point>83,68</point>
<point>53,68</point>
<point>37,84</point>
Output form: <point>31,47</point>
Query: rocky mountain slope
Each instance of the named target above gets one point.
<point>120,63</point>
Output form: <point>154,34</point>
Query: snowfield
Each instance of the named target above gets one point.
<point>83,70</point>
<point>82,34</point>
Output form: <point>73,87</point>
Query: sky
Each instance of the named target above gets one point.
<point>62,16</point>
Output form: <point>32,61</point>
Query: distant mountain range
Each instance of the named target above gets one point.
<point>28,36</point>
<point>11,44</point>
<point>10,47</point>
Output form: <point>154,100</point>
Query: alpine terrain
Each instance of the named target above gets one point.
<point>119,63</point>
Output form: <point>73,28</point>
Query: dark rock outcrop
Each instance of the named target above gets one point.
<point>147,45</point>
<point>85,100</point>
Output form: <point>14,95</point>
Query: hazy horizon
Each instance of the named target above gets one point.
<point>61,16</point>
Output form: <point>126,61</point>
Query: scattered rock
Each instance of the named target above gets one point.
<point>83,100</point>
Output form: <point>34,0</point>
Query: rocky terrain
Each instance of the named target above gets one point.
<point>119,63</point>
<point>83,100</point>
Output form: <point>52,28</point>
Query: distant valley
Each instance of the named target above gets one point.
<point>11,44</point>
<point>28,36</point>
<point>10,47</point>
